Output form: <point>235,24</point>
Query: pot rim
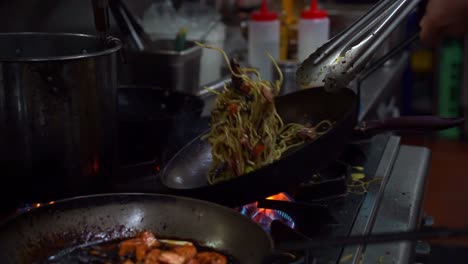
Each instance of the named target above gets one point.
<point>114,45</point>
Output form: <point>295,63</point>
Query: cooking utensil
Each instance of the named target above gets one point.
<point>288,69</point>
<point>56,228</point>
<point>154,123</point>
<point>101,18</point>
<point>58,101</point>
<point>130,26</point>
<point>211,26</point>
<point>66,224</point>
<point>340,60</point>
<point>186,173</point>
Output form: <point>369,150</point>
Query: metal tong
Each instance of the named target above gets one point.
<point>129,25</point>
<point>339,61</point>
<point>101,18</point>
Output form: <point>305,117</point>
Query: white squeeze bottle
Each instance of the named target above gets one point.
<point>263,36</point>
<point>313,32</point>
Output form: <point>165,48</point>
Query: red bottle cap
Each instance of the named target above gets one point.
<point>263,14</point>
<point>313,12</point>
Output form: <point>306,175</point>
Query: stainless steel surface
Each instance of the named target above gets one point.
<point>381,85</point>
<point>288,70</point>
<point>164,67</point>
<point>341,59</point>
<point>395,205</point>
<point>401,205</point>
<point>58,111</point>
<point>343,15</point>
<point>367,214</point>
<point>123,19</point>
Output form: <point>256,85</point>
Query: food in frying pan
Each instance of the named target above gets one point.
<point>144,248</point>
<point>246,132</point>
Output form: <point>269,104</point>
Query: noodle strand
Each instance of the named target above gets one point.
<point>246,132</point>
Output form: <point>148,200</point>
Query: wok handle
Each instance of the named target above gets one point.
<point>371,128</point>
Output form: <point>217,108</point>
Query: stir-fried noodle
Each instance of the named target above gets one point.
<point>246,131</point>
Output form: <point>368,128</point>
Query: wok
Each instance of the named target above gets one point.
<point>186,173</point>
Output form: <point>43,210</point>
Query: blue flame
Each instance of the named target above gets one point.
<point>264,217</point>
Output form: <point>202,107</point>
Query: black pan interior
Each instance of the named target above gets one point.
<point>45,231</point>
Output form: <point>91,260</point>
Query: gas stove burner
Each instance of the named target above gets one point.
<point>29,206</point>
<point>264,216</point>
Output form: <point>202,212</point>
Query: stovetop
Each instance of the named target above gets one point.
<point>392,203</point>
<point>328,208</point>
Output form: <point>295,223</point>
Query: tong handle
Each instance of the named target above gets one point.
<point>395,51</point>
<point>101,17</point>
<point>130,26</point>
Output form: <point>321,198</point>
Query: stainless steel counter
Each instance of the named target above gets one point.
<point>401,206</point>
<point>393,205</point>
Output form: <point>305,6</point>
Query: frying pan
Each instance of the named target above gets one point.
<point>49,230</point>
<point>45,231</point>
<point>185,174</point>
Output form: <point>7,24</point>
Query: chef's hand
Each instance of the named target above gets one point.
<point>444,18</point>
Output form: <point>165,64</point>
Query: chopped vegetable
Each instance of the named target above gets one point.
<point>358,176</point>
<point>259,148</point>
<point>249,169</point>
<point>233,108</point>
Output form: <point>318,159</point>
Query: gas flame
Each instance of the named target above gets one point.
<point>265,217</point>
<point>28,207</point>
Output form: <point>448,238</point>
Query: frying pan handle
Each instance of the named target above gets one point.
<point>371,128</point>
<point>279,257</point>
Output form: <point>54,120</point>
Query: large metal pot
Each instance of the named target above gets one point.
<point>58,103</point>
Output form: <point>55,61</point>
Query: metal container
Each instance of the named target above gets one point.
<point>288,68</point>
<point>164,67</point>
<point>58,104</point>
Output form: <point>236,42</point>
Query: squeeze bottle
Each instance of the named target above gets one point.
<point>314,30</point>
<point>263,36</point>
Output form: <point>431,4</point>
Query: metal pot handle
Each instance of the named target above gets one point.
<point>368,129</point>
<point>112,42</point>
